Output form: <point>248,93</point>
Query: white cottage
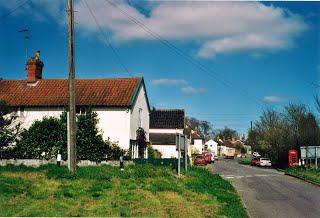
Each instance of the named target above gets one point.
<point>121,103</point>
<point>212,146</point>
<point>164,125</point>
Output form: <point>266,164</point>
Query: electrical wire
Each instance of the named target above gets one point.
<point>107,39</point>
<point>3,17</point>
<point>187,57</point>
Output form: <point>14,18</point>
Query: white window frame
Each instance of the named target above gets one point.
<point>140,117</point>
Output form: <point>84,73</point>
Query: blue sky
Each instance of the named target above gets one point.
<point>255,55</point>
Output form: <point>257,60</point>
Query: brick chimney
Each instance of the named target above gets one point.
<point>34,67</point>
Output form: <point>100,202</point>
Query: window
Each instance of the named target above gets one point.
<point>140,118</point>
<point>80,110</point>
<point>21,112</point>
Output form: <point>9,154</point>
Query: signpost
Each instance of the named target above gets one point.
<point>310,152</point>
<point>182,145</point>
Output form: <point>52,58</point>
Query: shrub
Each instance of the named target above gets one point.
<point>153,153</point>
<point>9,129</point>
<point>49,136</point>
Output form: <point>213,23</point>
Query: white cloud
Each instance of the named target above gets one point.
<point>218,27</point>
<point>38,10</point>
<point>274,99</point>
<point>192,90</point>
<point>221,27</point>
<point>168,82</point>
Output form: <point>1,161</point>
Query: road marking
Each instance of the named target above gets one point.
<point>247,176</point>
<point>228,177</point>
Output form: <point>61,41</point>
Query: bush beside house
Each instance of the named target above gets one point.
<point>45,138</point>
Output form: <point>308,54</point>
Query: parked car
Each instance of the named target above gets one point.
<point>256,154</point>
<point>200,160</point>
<point>209,157</point>
<point>255,161</point>
<point>264,162</point>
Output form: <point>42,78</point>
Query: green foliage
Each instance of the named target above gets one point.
<point>90,144</point>
<point>46,137</point>
<point>227,134</point>
<point>153,153</point>
<point>9,129</point>
<point>114,152</point>
<point>245,161</point>
<point>96,191</point>
<point>204,127</point>
<point>308,174</point>
<point>141,141</point>
<point>275,133</point>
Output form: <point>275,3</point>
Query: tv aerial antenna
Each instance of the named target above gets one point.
<point>26,37</point>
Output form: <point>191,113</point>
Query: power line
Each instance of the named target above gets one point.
<point>187,57</point>
<point>107,39</point>
<point>2,18</point>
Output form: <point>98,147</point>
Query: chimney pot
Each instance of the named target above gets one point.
<point>35,66</point>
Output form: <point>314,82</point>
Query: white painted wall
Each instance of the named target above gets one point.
<point>166,131</point>
<point>212,146</point>
<point>115,125</point>
<point>198,144</point>
<point>167,151</point>
<point>32,114</point>
<point>141,102</point>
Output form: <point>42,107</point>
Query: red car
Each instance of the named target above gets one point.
<point>209,157</point>
<point>255,161</point>
<point>200,160</point>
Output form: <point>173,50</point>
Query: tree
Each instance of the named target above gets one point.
<point>204,127</point>
<point>49,136</point>
<point>275,133</point>
<point>227,134</point>
<point>317,99</point>
<point>141,141</point>
<point>90,143</point>
<point>43,140</point>
<point>10,129</point>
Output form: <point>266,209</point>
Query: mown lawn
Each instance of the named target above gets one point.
<point>309,174</point>
<point>140,190</point>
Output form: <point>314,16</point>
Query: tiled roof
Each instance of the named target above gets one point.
<point>162,138</point>
<point>167,119</point>
<point>118,92</point>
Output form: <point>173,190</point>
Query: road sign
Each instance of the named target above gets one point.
<point>310,152</point>
<point>181,140</point>
<point>182,145</point>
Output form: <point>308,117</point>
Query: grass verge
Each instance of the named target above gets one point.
<point>245,161</point>
<point>307,174</point>
<point>140,190</point>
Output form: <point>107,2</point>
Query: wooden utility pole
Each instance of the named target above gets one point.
<point>72,162</point>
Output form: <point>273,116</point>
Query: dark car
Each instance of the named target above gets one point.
<point>255,161</point>
<point>200,160</point>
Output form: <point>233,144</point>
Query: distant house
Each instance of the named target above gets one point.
<point>121,104</point>
<point>197,142</point>
<point>164,125</point>
<point>212,146</point>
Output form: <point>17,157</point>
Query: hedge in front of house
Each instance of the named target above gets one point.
<point>45,138</point>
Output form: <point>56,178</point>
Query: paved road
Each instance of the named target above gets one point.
<point>269,193</point>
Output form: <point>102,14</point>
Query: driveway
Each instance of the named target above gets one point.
<point>269,193</point>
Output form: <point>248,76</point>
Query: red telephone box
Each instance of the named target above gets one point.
<point>293,158</point>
